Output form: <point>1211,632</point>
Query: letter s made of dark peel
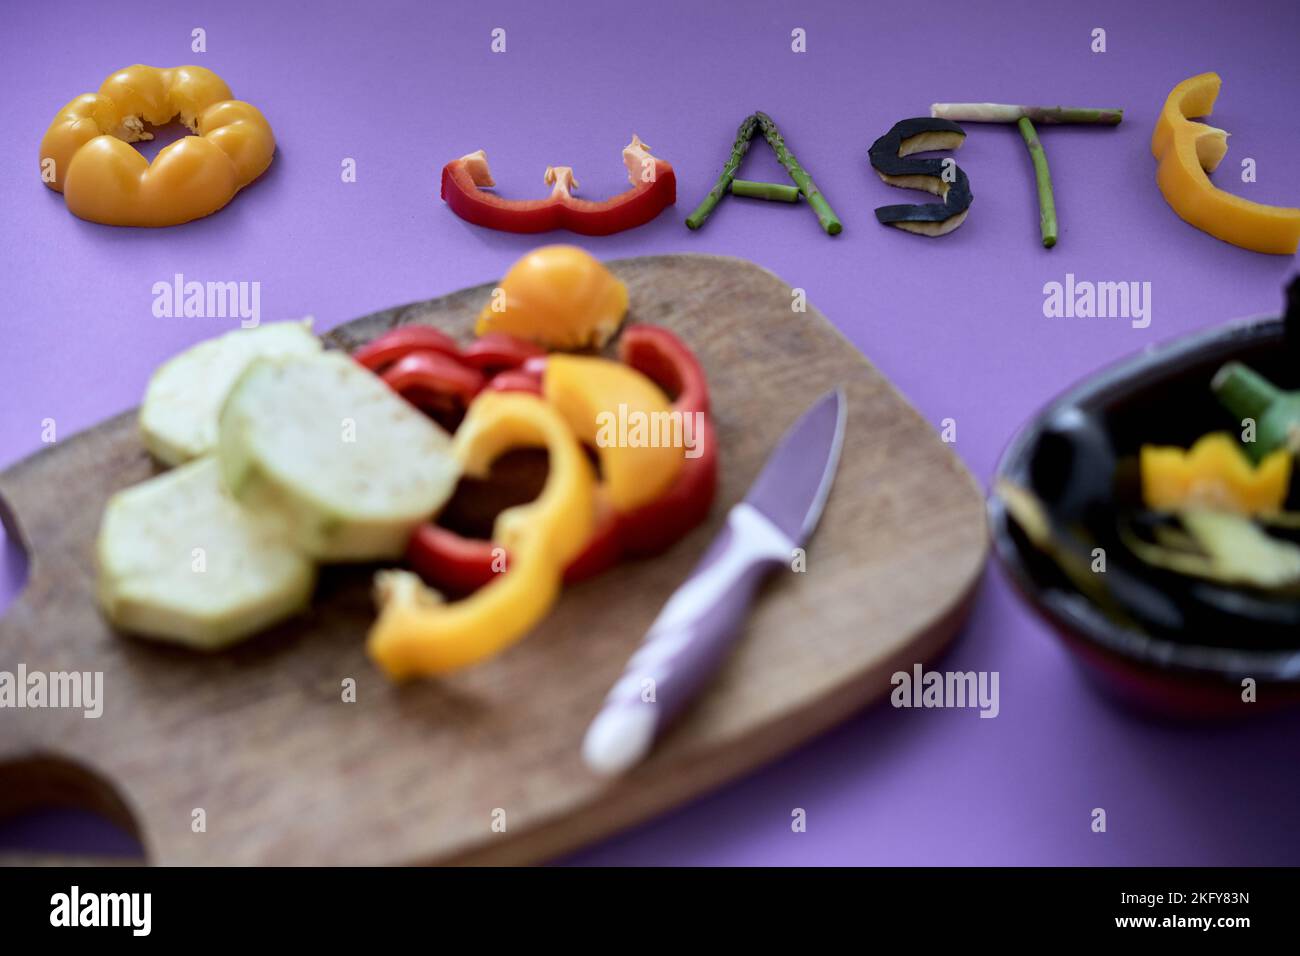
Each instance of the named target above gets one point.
<point>891,157</point>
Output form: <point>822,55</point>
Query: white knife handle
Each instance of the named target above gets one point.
<point>687,641</point>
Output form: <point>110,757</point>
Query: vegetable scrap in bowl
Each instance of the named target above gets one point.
<point>1153,514</point>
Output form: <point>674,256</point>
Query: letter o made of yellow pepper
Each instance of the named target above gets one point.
<point>415,637</point>
<point>87,156</point>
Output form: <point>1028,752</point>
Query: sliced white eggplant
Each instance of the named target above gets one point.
<point>181,561</point>
<point>178,419</point>
<point>324,443</point>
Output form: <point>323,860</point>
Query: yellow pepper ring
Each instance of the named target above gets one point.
<point>86,155</point>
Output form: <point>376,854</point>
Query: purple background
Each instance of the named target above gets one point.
<point>957,323</point>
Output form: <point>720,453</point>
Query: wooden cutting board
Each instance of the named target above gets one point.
<point>260,739</point>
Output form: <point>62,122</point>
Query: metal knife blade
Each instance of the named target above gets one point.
<point>792,488</point>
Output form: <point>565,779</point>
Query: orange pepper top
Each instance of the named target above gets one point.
<point>558,296</point>
<point>1186,151</point>
<point>85,153</point>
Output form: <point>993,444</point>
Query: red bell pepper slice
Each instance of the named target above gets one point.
<point>456,564</point>
<point>516,380</point>
<point>401,341</point>
<point>430,378</point>
<point>602,550</point>
<point>450,562</point>
<point>496,352</point>
<point>655,526</point>
<point>654,189</point>
<point>665,360</point>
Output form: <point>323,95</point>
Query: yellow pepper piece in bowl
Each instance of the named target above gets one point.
<point>87,156</point>
<point>1214,474</point>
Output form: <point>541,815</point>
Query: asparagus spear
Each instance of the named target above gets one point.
<point>738,150</point>
<point>777,192</point>
<point>1025,117</point>
<point>1043,178</point>
<point>825,214</point>
<point>1009,113</point>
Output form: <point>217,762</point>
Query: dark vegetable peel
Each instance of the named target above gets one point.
<point>891,158</point>
<point>1124,598</point>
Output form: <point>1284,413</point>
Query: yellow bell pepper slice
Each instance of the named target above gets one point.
<point>415,634</point>
<point>1214,474</point>
<point>625,417</point>
<point>87,156</point>
<point>1185,151</point>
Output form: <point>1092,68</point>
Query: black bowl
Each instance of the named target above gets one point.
<point>1183,659</point>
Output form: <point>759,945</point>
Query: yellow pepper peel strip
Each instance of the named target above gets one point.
<point>1215,474</point>
<point>1186,151</point>
<point>87,156</point>
<point>416,636</point>
<point>626,418</point>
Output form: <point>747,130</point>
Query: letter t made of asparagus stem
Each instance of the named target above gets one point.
<point>1025,117</point>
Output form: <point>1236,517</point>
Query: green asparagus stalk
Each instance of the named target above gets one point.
<point>1043,178</point>
<point>1010,113</point>
<point>825,214</point>
<point>738,150</point>
<point>776,192</point>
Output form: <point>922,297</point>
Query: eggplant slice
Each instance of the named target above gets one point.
<point>890,158</point>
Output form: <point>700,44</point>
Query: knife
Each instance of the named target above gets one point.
<point>691,636</point>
